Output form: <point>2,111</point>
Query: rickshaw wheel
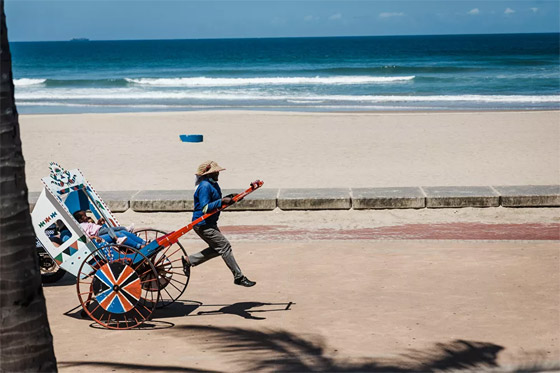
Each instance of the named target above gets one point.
<point>172,280</point>
<point>112,284</point>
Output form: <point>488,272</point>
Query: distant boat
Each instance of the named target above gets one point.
<point>80,39</point>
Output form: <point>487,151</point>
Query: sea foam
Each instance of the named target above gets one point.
<point>27,82</point>
<point>231,82</point>
<point>132,94</point>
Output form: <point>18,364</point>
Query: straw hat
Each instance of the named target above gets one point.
<point>208,167</point>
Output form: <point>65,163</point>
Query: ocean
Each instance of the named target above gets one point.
<point>448,72</point>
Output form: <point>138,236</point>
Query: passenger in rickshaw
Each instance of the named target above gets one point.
<point>54,234</point>
<point>99,232</point>
<point>63,233</point>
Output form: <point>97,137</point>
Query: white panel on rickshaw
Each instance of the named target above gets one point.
<point>70,254</point>
<point>51,208</point>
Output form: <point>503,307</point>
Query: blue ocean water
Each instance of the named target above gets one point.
<point>451,72</point>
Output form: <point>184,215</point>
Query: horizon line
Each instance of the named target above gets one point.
<point>77,39</point>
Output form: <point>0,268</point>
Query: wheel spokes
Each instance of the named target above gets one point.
<point>171,278</point>
<point>114,294</point>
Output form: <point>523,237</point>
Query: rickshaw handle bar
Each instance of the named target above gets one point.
<point>173,237</point>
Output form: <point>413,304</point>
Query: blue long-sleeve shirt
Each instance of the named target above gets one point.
<point>207,197</point>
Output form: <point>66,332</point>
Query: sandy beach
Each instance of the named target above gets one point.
<point>298,150</point>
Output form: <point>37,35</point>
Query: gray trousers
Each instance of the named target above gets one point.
<point>217,245</point>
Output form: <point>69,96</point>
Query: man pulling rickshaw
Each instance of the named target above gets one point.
<point>119,286</point>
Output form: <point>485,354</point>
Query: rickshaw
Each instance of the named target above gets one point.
<point>118,286</point>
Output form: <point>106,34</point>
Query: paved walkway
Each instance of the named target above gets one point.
<point>442,231</point>
<point>368,305</point>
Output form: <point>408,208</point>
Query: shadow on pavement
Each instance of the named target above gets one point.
<point>242,309</point>
<point>148,325</point>
<point>282,351</point>
<point>177,309</point>
<point>279,350</point>
<point>128,367</point>
<point>67,279</point>
<point>188,308</point>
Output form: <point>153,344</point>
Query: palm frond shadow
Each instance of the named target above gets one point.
<point>282,351</point>
<point>128,367</point>
<point>275,350</point>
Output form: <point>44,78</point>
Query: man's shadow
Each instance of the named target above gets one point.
<point>244,309</point>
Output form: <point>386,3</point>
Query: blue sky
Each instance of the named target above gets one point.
<point>45,20</point>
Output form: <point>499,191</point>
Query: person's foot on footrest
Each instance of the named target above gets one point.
<point>244,281</point>
<point>186,266</point>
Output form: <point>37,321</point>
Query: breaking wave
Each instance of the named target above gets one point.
<point>27,82</point>
<point>128,94</point>
<point>231,82</point>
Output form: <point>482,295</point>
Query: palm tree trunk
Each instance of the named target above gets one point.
<point>25,336</point>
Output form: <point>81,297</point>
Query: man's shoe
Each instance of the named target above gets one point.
<point>186,266</point>
<point>244,281</point>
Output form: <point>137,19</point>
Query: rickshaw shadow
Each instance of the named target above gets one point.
<point>241,309</point>
<point>150,324</point>
<point>177,309</point>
